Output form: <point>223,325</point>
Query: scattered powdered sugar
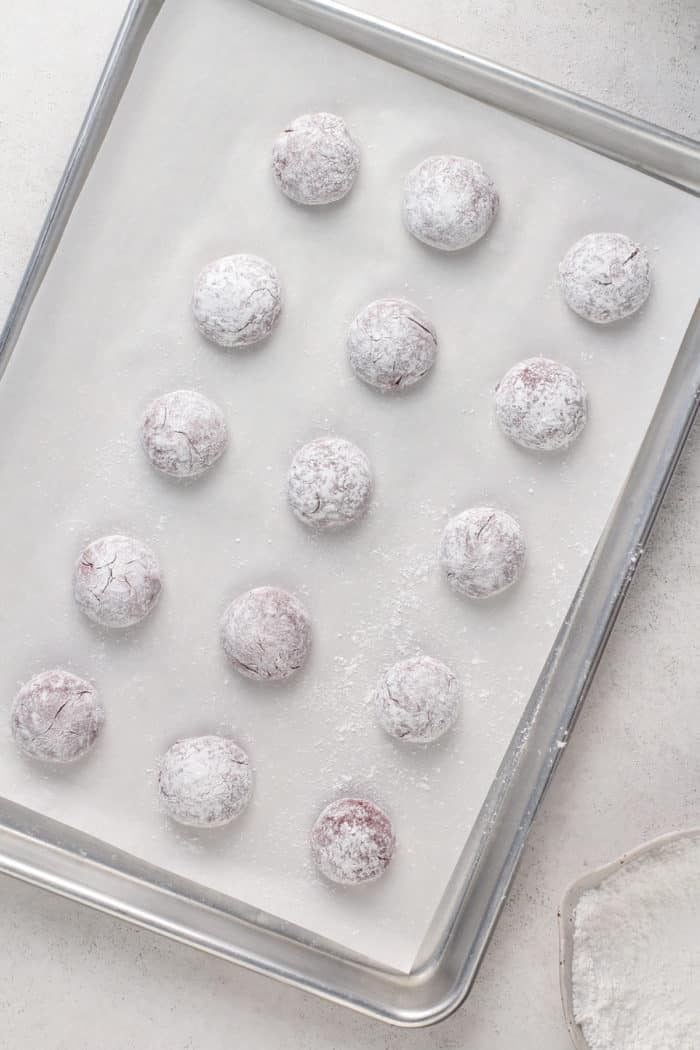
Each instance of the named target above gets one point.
<point>329,484</point>
<point>183,433</point>
<point>266,633</point>
<point>56,717</point>
<point>315,160</point>
<point>417,700</point>
<point>205,781</point>
<point>482,551</point>
<point>605,277</point>
<point>636,953</point>
<point>352,841</point>
<point>237,300</point>
<point>116,581</point>
<point>541,404</point>
<point>391,344</point>
<point>449,202</point>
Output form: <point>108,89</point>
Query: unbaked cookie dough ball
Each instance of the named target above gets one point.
<point>116,581</point>
<point>315,160</point>
<point>183,433</point>
<point>391,344</point>
<point>56,717</point>
<point>541,404</point>
<point>329,483</point>
<point>205,781</point>
<point>449,202</point>
<point>417,700</point>
<point>605,277</point>
<point>352,841</point>
<point>237,300</point>
<point>482,551</point>
<point>266,634</point>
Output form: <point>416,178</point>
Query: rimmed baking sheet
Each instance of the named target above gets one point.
<point>183,177</point>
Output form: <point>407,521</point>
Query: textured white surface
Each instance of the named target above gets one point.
<point>631,770</point>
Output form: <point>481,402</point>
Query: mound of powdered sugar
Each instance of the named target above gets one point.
<point>391,344</point>
<point>266,634</point>
<point>329,483</point>
<point>605,277</point>
<point>237,300</point>
<point>449,202</point>
<point>183,433</point>
<point>116,581</point>
<point>56,717</point>
<point>482,551</point>
<point>636,953</point>
<point>352,841</point>
<point>205,781</point>
<point>541,404</point>
<point>417,700</point>
<point>315,160</point>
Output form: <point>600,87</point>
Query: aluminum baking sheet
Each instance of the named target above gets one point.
<point>182,178</point>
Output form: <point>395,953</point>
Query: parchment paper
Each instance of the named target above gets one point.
<point>184,177</point>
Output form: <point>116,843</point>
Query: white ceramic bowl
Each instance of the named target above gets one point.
<point>566,921</point>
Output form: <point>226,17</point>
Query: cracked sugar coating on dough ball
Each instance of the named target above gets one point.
<point>205,781</point>
<point>605,277</point>
<point>482,551</point>
<point>541,404</point>
<point>352,841</point>
<point>56,717</point>
<point>237,300</point>
<point>266,634</point>
<point>116,581</point>
<point>391,344</point>
<point>183,433</point>
<point>417,700</point>
<point>329,483</point>
<point>449,202</point>
<point>315,160</point>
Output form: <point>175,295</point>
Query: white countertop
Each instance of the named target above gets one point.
<point>70,978</point>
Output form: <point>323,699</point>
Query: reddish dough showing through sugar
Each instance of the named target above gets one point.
<point>605,277</point>
<point>205,781</point>
<point>482,552</point>
<point>417,700</point>
<point>329,483</point>
<point>266,634</point>
<point>391,344</point>
<point>237,300</point>
<point>352,841</point>
<point>541,404</point>
<point>56,717</point>
<point>183,433</point>
<point>315,159</point>
<point>116,581</point>
<point>449,202</point>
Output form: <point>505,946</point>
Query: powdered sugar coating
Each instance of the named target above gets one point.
<point>56,717</point>
<point>541,404</point>
<point>266,634</point>
<point>482,551</point>
<point>183,433</point>
<point>116,581</point>
<point>205,781</point>
<point>605,277</point>
<point>352,841</point>
<point>391,344</point>
<point>329,483</point>
<point>315,160</point>
<point>449,202</point>
<point>417,700</point>
<point>237,300</point>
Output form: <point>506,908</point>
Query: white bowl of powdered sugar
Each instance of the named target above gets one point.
<point>629,950</point>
